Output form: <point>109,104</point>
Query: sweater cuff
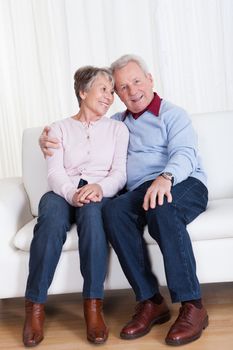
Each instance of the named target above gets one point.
<point>69,195</point>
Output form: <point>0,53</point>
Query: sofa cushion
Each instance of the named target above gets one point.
<point>22,239</point>
<point>215,223</point>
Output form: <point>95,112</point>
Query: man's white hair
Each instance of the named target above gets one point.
<point>125,59</point>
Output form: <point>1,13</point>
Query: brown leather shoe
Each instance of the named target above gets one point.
<point>97,331</point>
<point>34,323</point>
<point>147,314</point>
<point>188,326</point>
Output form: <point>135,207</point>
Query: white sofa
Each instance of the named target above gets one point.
<point>211,232</point>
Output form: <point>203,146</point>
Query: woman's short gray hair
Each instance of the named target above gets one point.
<point>85,76</point>
<point>125,59</point>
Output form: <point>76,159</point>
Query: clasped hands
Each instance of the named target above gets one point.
<point>159,188</point>
<point>86,194</point>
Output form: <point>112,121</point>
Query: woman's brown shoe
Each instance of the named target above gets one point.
<point>34,323</point>
<point>97,331</point>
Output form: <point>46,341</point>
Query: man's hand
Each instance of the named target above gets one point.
<point>46,142</point>
<point>86,194</point>
<point>159,188</point>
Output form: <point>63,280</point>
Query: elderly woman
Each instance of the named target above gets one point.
<point>86,170</point>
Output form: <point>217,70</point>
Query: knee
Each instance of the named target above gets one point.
<point>112,211</point>
<point>54,216</point>
<point>161,221</point>
<point>53,208</point>
<point>90,210</point>
<point>89,216</point>
<point>161,210</point>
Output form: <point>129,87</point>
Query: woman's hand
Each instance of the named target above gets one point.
<point>86,194</point>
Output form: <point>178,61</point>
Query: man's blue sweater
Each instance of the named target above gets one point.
<point>163,143</point>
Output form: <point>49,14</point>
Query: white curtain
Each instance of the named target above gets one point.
<point>187,45</point>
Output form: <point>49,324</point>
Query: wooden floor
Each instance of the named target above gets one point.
<point>65,328</point>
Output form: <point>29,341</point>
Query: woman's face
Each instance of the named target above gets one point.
<point>99,97</point>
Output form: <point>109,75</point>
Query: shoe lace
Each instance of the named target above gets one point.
<point>139,310</point>
<point>185,314</point>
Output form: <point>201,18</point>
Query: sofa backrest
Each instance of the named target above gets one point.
<point>215,139</point>
<point>34,170</point>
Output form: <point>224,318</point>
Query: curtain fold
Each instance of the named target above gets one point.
<point>195,47</point>
<point>186,44</point>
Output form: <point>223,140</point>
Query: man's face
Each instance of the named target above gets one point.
<point>134,87</point>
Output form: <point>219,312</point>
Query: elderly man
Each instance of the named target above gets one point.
<point>166,189</point>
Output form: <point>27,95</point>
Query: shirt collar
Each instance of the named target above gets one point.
<point>153,107</point>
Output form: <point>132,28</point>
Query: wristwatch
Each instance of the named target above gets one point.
<point>168,176</point>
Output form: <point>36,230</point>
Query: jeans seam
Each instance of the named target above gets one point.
<point>181,240</point>
<point>190,188</point>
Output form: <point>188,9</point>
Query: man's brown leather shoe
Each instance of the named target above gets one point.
<point>97,331</point>
<point>146,315</point>
<point>188,325</point>
<point>34,323</point>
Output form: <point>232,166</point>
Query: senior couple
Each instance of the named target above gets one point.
<point>165,189</point>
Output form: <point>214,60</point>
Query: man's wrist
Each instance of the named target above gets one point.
<point>168,176</point>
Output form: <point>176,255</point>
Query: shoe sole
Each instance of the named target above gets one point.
<point>159,320</point>
<point>188,340</point>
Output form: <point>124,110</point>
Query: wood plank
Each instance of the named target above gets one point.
<point>65,327</point>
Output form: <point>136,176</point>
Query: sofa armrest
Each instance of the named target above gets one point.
<point>14,211</point>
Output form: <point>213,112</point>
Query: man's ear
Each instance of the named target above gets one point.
<point>149,75</point>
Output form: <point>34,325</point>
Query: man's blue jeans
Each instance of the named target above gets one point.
<point>55,219</point>
<point>124,220</point>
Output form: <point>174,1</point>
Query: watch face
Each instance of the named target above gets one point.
<point>168,174</point>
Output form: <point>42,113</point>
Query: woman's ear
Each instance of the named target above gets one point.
<point>82,94</point>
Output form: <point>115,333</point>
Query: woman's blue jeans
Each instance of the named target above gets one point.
<point>124,220</point>
<point>55,219</point>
